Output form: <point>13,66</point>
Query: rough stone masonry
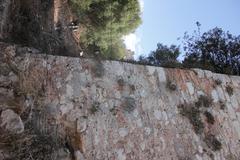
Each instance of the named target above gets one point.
<point>119,111</point>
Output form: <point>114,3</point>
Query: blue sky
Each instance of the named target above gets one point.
<point>166,20</point>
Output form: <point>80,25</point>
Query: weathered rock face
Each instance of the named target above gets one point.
<point>114,110</point>
<point>11,122</point>
<point>4,16</point>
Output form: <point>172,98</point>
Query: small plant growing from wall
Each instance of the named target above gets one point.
<point>222,105</point>
<point>193,114</point>
<point>121,82</point>
<point>210,118</point>
<point>171,86</point>
<point>204,101</point>
<point>129,104</point>
<point>218,82</point>
<point>132,88</point>
<point>95,108</point>
<point>213,142</point>
<point>113,111</point>
<point>229,90</point>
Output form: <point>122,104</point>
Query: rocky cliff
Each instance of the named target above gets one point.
<point>54,107</point>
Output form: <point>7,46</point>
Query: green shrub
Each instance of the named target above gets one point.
<point>165,56</point>
<point>208,51</point>
<point>106,22</point>
<point>193,115</point>
<point>193,112</point>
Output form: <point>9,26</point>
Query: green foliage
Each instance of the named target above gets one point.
<point>163,56</point>
<point>214,50</point>
<point>107,22</point>
<point>80,6</point>
<point>193,114</point>
<point>115,51</point>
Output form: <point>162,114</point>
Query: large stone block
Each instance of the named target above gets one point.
<point>11,122</point>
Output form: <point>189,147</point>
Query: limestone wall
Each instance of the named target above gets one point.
<point>114,110</point>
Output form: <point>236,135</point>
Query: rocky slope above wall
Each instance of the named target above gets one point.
<point>99,110</point>
<point>42,24</point>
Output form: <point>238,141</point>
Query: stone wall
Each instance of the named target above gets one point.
<point>114,110</point>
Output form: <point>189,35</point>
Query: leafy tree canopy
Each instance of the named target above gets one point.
<point>162,56</point>
<point>107,21</point>
<point>214,50</point>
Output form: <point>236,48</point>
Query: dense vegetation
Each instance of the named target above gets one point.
<point>106,22</point>
<point>215,50</point>
<point>163,56</point>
